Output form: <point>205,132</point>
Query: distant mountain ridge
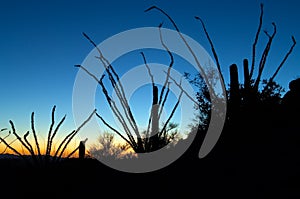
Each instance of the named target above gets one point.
<point>9,156</point>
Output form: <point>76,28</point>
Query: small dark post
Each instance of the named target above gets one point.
<point>81,150</point>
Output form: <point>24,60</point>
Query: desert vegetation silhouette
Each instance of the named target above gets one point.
<point>33,155</point>
<point>251,95</point>
<point>156,136</point>
<point>241,97</point>
<point>259,146</point>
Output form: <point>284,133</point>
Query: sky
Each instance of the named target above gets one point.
<point>40,42</point>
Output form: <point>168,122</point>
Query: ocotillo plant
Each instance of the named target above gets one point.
<point>251,85</point>
<point>155,134</point>
<point>38,158</point>
<point>155,137</point>
<point>253,89</point>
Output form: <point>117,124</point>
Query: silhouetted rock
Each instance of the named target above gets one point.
<point>291,102</point>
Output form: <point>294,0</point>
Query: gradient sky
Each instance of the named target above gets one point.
<point>41,41</point>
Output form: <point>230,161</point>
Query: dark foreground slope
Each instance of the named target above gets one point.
<point>257,156</point>
<point>263,171</point>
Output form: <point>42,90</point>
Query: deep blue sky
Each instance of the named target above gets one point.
<point>40,41</point>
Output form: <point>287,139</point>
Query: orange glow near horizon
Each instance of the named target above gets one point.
<point>22,150</point>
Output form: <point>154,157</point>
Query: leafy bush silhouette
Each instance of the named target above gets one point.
<point>108,149</point>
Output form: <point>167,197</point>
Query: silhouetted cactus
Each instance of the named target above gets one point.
<point>251,91</point>
<point>155,120</point>
<point>234,87</point>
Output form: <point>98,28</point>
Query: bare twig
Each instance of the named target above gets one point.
<point>73,133</point>
<point>9,132</point>
<point>148,68</point>
<point>109,100</point>
<point>4,129</point>
<point>116,112</point>
<point>284,59</point>
<point>88,72</point>
<point>76,149</point>
<point>116,131</point>
<point>165,99</point>
<point>264,56</point>
<point>17,136</point>
<point>171,115</point>
<point>30,147</point>
<point>50,131</point>
<point>31,151</point>
<point>256,40</point>
<point>112,105</point>
<point>10,147</point>
<point>34,134</point>
<point>182,89</point>
<point>169,68</point>
<point>61,144</point>
<point>187,45</point>
<point>119,91</point>
<point>153,85</point>
<point>54,133</point>
<point>212,47</point>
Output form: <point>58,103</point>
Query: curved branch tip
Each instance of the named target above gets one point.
<point>294,40</point>
<point>151,8</point>
<point>160,25</point>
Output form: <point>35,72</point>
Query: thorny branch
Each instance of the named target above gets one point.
<point>212,48</point>
<point>153,85</point>
<point>182,89</point>
<point>172,113</point>
<point>166,83</point>
<point>169,68</point>
<point>54,133</point>
<point>69,137</point>
<point>116,84</point>
<point>17,136</point>
<point>264,56</point>
<point>34,134</point>
<point>188,46</point>
<point>256,40</point>
<point>50,131</point>
<point>284,59</point>
<point>113,129</point>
